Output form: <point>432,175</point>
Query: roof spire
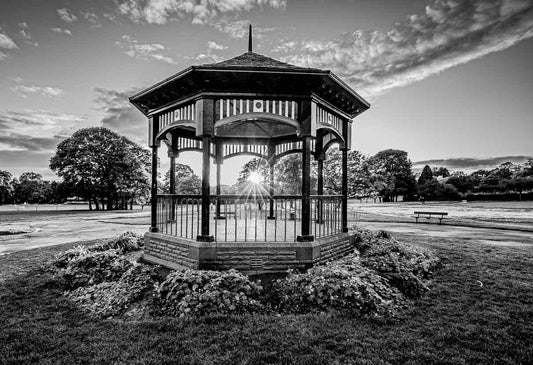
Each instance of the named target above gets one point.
<point>250,39</point>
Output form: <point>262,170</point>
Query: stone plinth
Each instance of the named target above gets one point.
<point>247,257</point>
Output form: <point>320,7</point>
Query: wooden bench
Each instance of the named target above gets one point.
<point>428,215</point>
<point>225,215</point>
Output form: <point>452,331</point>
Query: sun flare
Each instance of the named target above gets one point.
<point>255,177</point>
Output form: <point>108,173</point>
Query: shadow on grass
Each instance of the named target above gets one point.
<point>458,321</point>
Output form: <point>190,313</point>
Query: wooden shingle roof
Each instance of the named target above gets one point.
<point>251,60</point>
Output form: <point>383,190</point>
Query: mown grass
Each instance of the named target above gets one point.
<point>458,321</point>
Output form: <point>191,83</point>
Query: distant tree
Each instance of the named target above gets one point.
<point>392,170</point>
<point>6,187</point>
<point>462,182</point>
<point>103,167</point>
<point>255,165</point>
<point>183,175</point>
<point>426,175</point>
<point>31,188</point>
<point>441,171</point>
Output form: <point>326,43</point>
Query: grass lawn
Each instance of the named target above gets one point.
<point>479,310</point>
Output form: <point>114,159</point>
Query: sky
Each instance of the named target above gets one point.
<point>450,81</point>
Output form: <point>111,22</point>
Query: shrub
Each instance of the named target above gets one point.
<point>344,286</point>
<point>402,264</point>
<point>110,298</point>
<point>79,267</point>
<point>126,242</point>
<point>198,292</point>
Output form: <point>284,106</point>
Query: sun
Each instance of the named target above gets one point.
<point>255,177</point>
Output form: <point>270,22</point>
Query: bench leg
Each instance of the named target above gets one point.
<point>416,220</point>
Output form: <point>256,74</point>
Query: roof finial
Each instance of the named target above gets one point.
<point>250,39</point>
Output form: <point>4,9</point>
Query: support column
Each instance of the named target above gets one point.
<point>306,191</point>
<point>218,161</point>
<point>172,183</point>
<point>153,128</point>
<point>206,169</point>
<point>271,162</point>
<point>344,189</point>
<point>320,189</point>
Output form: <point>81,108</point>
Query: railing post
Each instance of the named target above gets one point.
<point>344,190</point>
<point>218,162</point>
<point>153,129</point>
<point>306,191</point>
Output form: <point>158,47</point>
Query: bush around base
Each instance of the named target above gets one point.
<point>377,279</point>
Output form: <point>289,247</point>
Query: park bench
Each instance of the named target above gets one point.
<point>428,215</point>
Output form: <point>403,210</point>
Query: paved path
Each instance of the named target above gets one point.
<point>55,229</point>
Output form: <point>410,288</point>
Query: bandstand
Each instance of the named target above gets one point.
<point>249,105</point>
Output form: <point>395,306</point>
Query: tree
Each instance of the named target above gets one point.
<point>6,187</point>
<point>255,165</point>
<point>31,188</point>
<point>426,175</point>
<point>185,179</point>
<point>103,167</point>
<point>441,171</point>
<point>392,175</point>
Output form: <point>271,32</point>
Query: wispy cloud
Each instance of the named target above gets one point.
<point>470,163</point>
<point>23,25</point>
<point>201,12</point>
<point>61,31</point>
<point>150,51</point>
<point>120,114</point>
<point>239,28</point>
<point>215,46</point>
<point>285,47</point>
<point>6,42</point>
<point>92,18</point>
<point>35,130</point>
<point>450,33</point>
<point>66,15</point>
<point>48,91</point>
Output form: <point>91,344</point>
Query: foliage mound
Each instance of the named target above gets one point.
<point>405,266</point>
<point>344,285</point>
<point>124,243</point>
<point>199,292</point>
<point>111,298</point>
<point>377,279</point>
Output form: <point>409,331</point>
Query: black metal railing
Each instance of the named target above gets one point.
<point>238,218</point>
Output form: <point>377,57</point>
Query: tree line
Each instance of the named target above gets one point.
<point>110,171</point>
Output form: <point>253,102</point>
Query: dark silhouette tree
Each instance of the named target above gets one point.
<point>103,167</point>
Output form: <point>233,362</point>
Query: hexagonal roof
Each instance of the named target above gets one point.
<point>251,73</point>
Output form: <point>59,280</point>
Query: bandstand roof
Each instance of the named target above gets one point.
<point>250,73</point>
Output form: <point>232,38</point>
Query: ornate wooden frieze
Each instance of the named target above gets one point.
<point>325,118</point>
<point>185,112</point>
<point>231,150</point>
<point>228,107</point>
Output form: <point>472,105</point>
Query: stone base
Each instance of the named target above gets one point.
<point>248,257</point>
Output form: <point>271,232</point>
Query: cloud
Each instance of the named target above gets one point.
<point>25,34</point>
<point>120,115</point>
<point>450,33</point>
<point>23,25</point>
<point>47,91</point>
<point>162,11</point>
<point>151,51</point>
<point>470,163</point>
<point>284,47</point>
<point>215,46</point>
<point>239,28</point>
<point>3,56</point>
<point>92,18</point>
<point>59,30</point>
<point>35,130</point>
<point>66,15</point>
<point>6,42</point>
